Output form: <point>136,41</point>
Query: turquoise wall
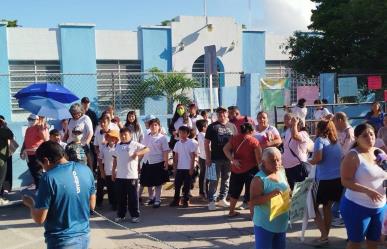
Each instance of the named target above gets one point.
<point>155,48</point>
<point>253,58</point>
<point>5,88</point>
<point>327,87</point>
<point>78,56</point>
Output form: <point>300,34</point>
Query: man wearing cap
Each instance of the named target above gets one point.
<point>89,112</point>
<point>5,135</point>
<point>35,135</point>
<point>217,136</point>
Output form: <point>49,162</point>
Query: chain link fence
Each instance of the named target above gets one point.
<point>147,93</point>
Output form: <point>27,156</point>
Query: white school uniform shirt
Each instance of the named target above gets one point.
<point>320,114</point>
<point>157,144</point>
<point>269,134</point>
<point>84,124</point>
<point>202,151</point>
<point>106,154</point>
<point>184,150</point>
<point>99,139</point>
<point>127,168</point>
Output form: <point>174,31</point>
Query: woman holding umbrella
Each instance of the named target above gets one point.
<point>34,137</point>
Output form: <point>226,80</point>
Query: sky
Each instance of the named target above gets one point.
<point>276,16</point>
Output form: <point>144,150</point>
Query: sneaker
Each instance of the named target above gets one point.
<point>135,219</point>
<point>338,222</point>
<point>119,219</point>
<point>175,203</point>
<point>223,203</point>
<point>3,201</point>
<point>243,206</point>
<point>211,206</point>
<point>150,202</point>
<point>157,204</point>
<point>185,204</point>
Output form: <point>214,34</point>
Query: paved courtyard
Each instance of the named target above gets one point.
<point>192,227</point>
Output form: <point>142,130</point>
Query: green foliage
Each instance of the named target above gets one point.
<point>345,35</point>
<point>166,23</point>
<point>174,86</point>
<point>10,23</point>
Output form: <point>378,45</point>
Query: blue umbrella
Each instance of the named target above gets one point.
<point>46,107</point>
<point>49,90</point>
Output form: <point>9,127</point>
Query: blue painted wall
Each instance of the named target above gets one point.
<point>77,55</point>
<point>253,58</point>
<point>5,88</point>
<point>246,96</point>
<point>156,48</point>
<point>327,87</point>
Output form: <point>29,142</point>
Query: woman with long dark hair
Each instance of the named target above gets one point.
<point>365,194</point>
<point>327,156</point>
<point>134,127</point>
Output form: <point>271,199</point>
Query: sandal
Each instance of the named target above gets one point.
<point>233,214</point>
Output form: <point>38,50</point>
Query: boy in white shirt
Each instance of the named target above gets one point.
<point>105,165</point>
<point>125,175</point>
<point>183,163</point>
<point>202,128</point>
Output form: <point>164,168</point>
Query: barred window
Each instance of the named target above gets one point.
<point>116,82</point>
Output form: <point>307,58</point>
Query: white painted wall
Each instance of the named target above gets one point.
<point>117,45</point>
<point>192,31</point>
<point>272,47</point>
<point>33,44</point>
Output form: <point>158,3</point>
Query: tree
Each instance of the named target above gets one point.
<point>11,23</point>
<point>345,35</point>
<point>174,86</point>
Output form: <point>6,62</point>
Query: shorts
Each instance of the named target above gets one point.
<point>238,180</point>
<point>367,223</point>
<point>329,191</point>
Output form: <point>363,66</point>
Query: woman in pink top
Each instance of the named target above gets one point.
<point>297,144</point>
<point>34,137</point>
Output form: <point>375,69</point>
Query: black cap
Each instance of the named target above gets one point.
<point>221,109</point>
<point>85,100</point>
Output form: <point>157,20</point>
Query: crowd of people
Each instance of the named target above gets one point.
<point>227,153</point>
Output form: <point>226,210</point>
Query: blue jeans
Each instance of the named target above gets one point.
<point>267,240</point>
<point>79,242</point>
<point>223,171</point>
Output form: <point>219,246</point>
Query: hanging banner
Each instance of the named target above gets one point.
<point>348,86</point>
<point>210,59</point>
<point>374,82</point>
<point>274,83</point>
<point>309,93</point>
<point>271,98</point>
<point>202,97</point>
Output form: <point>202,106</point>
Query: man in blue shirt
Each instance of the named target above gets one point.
<point>66,195</point>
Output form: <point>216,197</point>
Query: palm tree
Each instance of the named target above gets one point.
<point>174,86</point>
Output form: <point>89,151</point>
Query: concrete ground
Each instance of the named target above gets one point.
<point>193,227</point>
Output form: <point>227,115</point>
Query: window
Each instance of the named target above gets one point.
<point>198,72</point>
<point>24,73</point>
<point>116,83</point>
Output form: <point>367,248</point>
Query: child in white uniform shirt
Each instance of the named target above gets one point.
<point>105,165</point>
<point>184,160</point>
<point>154,171</point>
<point>125,175</point>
